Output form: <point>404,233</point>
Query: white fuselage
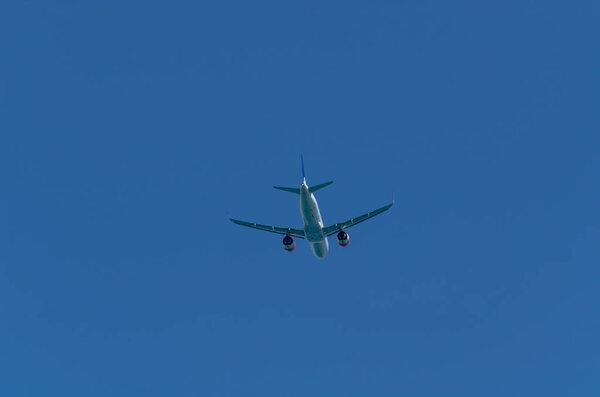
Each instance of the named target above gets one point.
<point>313,224</point>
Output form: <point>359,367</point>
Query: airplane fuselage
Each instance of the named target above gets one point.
<point>313,224</point>
<point>314,231</point>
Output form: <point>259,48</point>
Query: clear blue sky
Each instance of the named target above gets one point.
<point>131,130</point>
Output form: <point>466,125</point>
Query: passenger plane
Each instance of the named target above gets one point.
<point>313,230</point>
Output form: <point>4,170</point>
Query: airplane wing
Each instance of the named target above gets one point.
<point>329,230</point>
<point>273,229</point>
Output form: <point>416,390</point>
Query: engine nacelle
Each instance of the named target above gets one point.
<point>288,244</point>
<point>343,238</point>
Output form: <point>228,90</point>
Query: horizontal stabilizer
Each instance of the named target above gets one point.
<point>288,189</point>
<point>321,186</point>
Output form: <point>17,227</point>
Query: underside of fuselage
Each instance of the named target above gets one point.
<point>313,224</point>
<point>320,249</point>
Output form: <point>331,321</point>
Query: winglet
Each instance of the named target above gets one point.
<point>303,175</point>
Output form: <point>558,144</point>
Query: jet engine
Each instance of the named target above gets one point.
<point>288,243</point>
<point>343,238</point>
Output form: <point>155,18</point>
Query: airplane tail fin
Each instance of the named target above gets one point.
<point>321,186</point>
<point>296,190</point>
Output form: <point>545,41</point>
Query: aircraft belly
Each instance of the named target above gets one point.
<point>320,249</point>
<point>313,235</point>
<point>313,225</point>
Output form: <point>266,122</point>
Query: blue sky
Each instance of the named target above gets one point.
<point>130,132</point>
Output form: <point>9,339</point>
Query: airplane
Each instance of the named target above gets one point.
<point>314,232</point>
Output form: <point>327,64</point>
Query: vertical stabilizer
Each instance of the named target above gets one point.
<point>303,175</point>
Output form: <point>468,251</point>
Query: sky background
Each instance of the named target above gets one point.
<point>131,130</point>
